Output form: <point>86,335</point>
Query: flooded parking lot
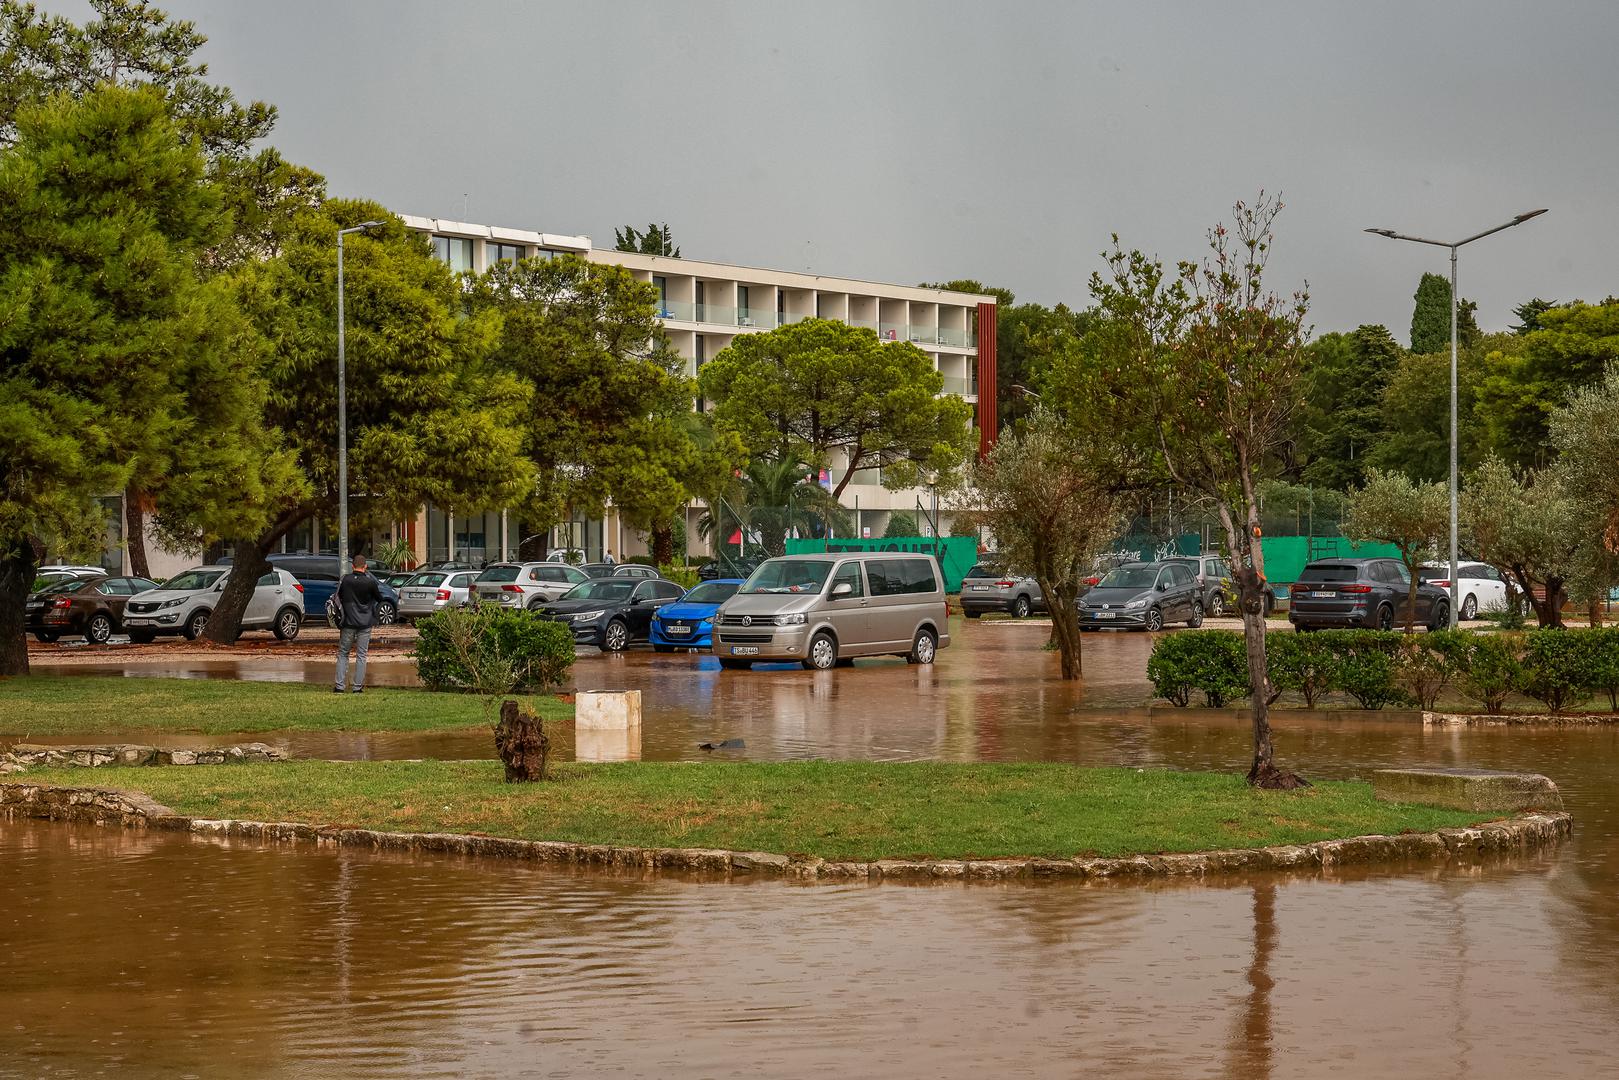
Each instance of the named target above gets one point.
<point>167,955</point>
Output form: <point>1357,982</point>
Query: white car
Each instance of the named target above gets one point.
<point>572,556</point>
<point>1481,586</point>
<point>182,605</point>
<point>435,590</point>
<point>525,585</point>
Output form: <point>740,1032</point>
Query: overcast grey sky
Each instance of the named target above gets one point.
<point>908,141</point>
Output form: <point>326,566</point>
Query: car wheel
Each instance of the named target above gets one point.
<point>1217,605</point>
<point>386,613</point>
<point>1270,603</point>
<point>287,624</point>
<point>98,629</point>
<point>1441,617</point>
<point>47,636</point>
<point>926,646</point>
<point>195,625</point>
<point>1470,608</point>
<point>823,653</point>
<point>615,637</point>
<point>534,604</point>
<point>1197,615</point>
<point>142,637</point>
<point>972,614</point>
<point>1385,618</point>
<point>1021,608</point>
<point>1155,620</point>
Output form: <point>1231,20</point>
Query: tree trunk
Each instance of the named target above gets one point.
<point>663,545</point>
<point>16,579</point>
<point>1411,599</point>
<point>1593,611</point>
<point>135,533</point>
<point>522,744</point>
<point>1065,626</point>
<point>248,564</point>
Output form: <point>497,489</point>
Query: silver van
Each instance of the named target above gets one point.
<point>822,610</point>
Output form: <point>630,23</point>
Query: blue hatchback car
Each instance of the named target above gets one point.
<point>688,623</point>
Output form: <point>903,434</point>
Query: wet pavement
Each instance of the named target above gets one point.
<point>152,955</point>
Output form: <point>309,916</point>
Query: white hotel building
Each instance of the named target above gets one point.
<point>704,306</point>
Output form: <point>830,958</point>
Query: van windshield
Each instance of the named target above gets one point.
<point>788,576</point>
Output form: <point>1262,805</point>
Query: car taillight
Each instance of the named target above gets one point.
<point>511,588</point>
<point>444,594</point>
<point>1355,588</point>
<point>1440,584</point>
<point>298,586</point>
<point>1005,584</point>
<point>61,601</point>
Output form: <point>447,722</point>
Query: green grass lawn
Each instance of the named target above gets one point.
<point>846,810</point>
<point>97,706</point>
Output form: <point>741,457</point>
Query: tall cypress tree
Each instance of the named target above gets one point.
<point>1430,321</point>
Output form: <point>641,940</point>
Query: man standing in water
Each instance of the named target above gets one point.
<point>357,594</point>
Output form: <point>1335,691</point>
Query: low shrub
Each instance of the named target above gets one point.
<point>1424,664</point>
<point>1212,661</point>
<point>684,576</point>
<point>1602,663</point>
<point>492,652</point>
<point>1489,669</point>
<point>1367,665</point>
<point>1306,663</point>
<point>1555,667</point>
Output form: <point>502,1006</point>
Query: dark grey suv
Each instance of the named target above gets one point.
<point>1365,593</point>
<point>1143,596</point>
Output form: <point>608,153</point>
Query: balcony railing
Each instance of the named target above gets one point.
<point>765,319</point>
<point>963,387</point>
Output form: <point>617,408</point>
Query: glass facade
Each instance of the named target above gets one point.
<point>499,252</point>
<point>454,251</point>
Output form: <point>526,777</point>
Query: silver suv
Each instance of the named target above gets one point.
<point>1213,579</point>
<point>182,605</point>
<point>988,588</point>
<point>525,585</point>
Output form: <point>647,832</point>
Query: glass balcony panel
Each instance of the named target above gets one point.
<point>924,335</point>
<point>678,309</point>
<point>716,313</point>
<point>893,331</point>
<point>950,336</point>
<point>756,318</point>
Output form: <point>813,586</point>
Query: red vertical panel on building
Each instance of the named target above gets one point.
<point>988,420</point>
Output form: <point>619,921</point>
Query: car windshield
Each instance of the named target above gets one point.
<point>1130,577</point>
<point>601,590</point>
<point>1330,572</point>
<point>193,580</point>
<point>788,576</point>
<point>711,592</point>
<point>61,585</point>
<point>434,578</point>
<point>500,573</point>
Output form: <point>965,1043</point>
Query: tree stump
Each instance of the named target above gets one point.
<point>522,744</point>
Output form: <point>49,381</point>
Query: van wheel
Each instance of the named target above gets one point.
<point>926,646</point>
<point>99,629</point>
<point>736,665</point>
<point>823,653</point>
<point>1197,615</point>
<point>196,625</point>
<point>287,624</point>
<point>1021,608</point>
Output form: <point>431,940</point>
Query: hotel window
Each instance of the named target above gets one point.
<point>661,283</point>
<point>698,292</point>
<point>503,252</point>
<point>742,317</point>
<point>454,252</point>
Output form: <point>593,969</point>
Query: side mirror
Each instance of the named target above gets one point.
<point>1163,586</point>
<point>842,588</point>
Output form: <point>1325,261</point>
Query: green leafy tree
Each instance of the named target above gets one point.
<point>1415,408</point>
<point>901,523</point>
<point>1051,495</point>
<point>1342,415</point>
<point>1206,365</point>
<point>1529,313</point>
<point>653,240</point>
<point>429,416</point>
<point>107,333</point>
<point>1389,508</point>
<point>1527,525</point>
<point>607,414</point>
<point>1571,348</point>
<point>805,391</point>
<point>1585,433</point>
<point>1430,320</point>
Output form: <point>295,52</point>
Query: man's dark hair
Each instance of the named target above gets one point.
<point>358,562</point>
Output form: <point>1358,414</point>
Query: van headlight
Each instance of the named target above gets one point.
<point>791,620</point>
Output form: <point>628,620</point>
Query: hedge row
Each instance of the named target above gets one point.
<point>490,651</point>
<point>1559,668</point>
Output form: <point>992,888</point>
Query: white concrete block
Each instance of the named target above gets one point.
<point>607,710</point>
<point>591,744</point>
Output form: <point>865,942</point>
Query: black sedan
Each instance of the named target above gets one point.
<point>609,613</point>
<point>727,566</point>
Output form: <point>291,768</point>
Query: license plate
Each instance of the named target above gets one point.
<point>417,595</point>
<point>744,650</point>
<point>980,588</point>
<point>1325,595</point>
<point>677,630</point>
<point>136,621</point>
<point>1101,614</point>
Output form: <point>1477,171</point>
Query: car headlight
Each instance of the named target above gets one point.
<point>587,616</point>
<point>1136,605</point>
<point>173,603</point>
<point>791,620</point>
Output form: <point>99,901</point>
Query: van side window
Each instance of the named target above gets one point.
<point>900,577</point>
<point>849,574</point>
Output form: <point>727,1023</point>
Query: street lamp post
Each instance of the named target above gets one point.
<point>343,408</point>
<point>1455,610</point>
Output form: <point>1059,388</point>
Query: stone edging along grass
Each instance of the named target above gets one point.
<point>136,811</point>
<point>1444,719</point>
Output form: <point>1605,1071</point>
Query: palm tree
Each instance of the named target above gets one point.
<point>772,498</point>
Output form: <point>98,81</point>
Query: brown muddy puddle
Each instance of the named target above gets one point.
<point>152,955</point>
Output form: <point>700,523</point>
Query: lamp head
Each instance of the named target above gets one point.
<point>1531,214</point>
<point>1382,232</point>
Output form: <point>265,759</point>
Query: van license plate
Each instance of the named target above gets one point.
<point>744,650</point>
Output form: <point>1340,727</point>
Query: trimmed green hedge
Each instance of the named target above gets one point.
<point>481,648</point>
<point>1559,668</point>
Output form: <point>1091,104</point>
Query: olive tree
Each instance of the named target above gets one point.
<point>1391,509</point>
<point>1527,525</point>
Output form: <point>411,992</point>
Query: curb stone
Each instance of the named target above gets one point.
<point>133,810</point>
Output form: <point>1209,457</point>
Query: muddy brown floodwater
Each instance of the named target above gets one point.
<point>149,955</point>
